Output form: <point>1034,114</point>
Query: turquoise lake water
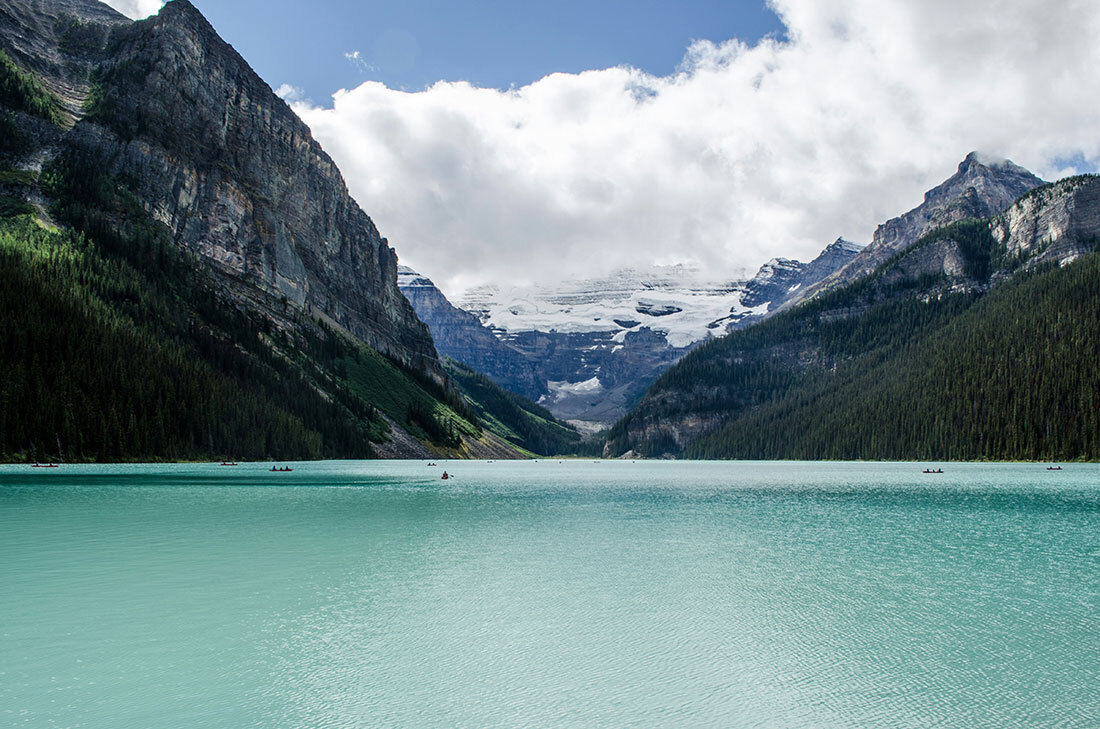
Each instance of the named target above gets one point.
<point>547,594</point>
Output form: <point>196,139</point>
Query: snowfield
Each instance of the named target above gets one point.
<point>676,301</point>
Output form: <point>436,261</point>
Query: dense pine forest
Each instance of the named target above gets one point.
<point>901,367</point>
<point>102,364</point>
<point>1012,378</point>
<point>116,346</point>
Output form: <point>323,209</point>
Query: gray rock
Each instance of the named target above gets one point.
<point>979,189</point>
<point>237,178</point>
<point>461,335</point>
<point>782,279</point>
<point>60,41</point>
<point>1056,222</point>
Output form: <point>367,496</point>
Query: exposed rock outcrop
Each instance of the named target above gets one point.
<point>59,41</point>
<point>460,335</point>
<point>982,187</point>
<point>780,279</point>
<point>238,178</point>
<point>1056,222</point>
<point>208,149</point>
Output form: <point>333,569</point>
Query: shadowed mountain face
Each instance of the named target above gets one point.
<point>207,148</point>
<point>238,178</point>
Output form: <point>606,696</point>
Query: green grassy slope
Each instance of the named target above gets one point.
<point>513,417</point>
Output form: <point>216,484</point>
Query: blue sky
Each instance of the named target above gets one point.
<point>508,142</point>
<point>410,44</point>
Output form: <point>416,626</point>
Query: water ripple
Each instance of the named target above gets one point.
<point>567,595</point>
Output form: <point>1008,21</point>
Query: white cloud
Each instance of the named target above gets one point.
<point>746,153</point>
<point>357,60</point>
<point>291,94</point>
<point>136,9</point>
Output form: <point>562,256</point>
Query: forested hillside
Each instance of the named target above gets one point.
<point>513,417</point>
<point>977,341</point>
<point>184,275</point>
<point>116,346</point>
<point>1014,377</point>
<point>112,357</point>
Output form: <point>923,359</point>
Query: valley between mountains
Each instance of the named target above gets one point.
<point>186,277</point>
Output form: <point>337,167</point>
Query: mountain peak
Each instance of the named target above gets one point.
<point>182,11</point>
<point>997,181</point>
<point>981,160</point>
<point>842,244</point>
<point>178,7</point>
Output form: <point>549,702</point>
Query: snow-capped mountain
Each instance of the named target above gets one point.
<point>459,334</point>
<point>676,302</point>
<point>595,345</point>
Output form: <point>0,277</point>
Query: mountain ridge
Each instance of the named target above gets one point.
<point>796,360</point>
<point>980,188</point>
<point>586,349</point>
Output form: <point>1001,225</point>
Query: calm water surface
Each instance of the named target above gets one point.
<point>550,594</point>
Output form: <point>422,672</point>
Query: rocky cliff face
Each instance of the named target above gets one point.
<point>1056,222</point>
<point>59,41</point>
<point>209,150</point>
<point>981,187</point>
<point>460,335</point>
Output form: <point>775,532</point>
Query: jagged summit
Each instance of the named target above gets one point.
<point>997,183</point>
<point>780,279</point>
<point>182,8</point>
<point>982,186</point>
<point>983,159</point>
<point>843,245</point>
